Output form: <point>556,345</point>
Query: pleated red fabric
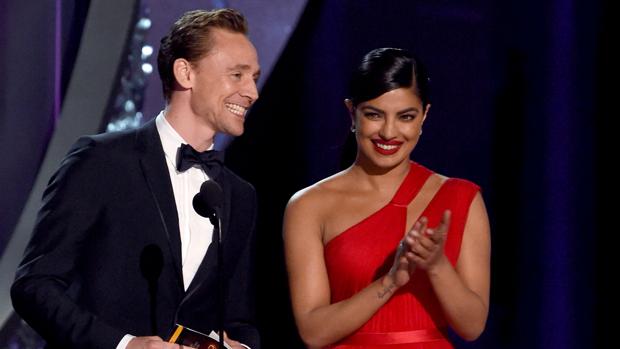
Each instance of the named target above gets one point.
<point>412,318</point>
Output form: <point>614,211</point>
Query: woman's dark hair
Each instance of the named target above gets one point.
<point>386,69</point>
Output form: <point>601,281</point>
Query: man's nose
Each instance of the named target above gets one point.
<point>250,91</point>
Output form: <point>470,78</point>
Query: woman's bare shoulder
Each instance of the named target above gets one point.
<point>322,194</point>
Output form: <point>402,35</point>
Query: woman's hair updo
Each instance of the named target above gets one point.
<point>386,69</point>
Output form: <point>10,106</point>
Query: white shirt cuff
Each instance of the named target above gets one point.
<point>123,343</point>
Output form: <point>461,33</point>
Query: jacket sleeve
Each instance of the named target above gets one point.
<point>46,278</point>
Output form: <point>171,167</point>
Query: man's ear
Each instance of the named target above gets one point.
<point>182,70</point>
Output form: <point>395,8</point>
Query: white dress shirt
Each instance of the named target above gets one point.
<point>196,231</point>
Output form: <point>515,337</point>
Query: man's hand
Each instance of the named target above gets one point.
<point>151,343</point>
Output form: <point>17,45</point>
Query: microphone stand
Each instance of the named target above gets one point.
<point>207,204</point>
<point>220,281</point>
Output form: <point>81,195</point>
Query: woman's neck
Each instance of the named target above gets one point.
<point>379,178</point>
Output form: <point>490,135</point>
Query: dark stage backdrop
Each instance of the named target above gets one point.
<point>521,104</point>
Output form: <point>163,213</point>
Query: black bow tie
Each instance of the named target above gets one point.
<point>211,160</point>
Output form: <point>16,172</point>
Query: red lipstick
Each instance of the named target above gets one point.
<point>386,147</point>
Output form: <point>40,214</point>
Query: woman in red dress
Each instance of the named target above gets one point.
<point>388,254</point>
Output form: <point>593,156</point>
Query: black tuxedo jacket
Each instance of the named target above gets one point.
<point>105,256</point>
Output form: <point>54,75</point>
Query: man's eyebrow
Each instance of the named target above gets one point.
<point>240,67</point>
<point>245,67</point>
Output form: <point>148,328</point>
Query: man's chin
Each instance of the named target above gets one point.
<point>236,127</point>
<point>236,132</point>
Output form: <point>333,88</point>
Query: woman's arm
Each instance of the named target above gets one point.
<point>319,322</point>
<point>463,292</point>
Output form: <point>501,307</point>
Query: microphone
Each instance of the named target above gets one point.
<point>208,203</point>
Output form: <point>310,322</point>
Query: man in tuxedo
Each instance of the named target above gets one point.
<point>118,255</point>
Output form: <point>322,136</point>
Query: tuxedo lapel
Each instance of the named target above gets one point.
<point>223,181</point>
<point>155,171</point>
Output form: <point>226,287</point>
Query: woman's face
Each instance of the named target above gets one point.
<point>388,127</point>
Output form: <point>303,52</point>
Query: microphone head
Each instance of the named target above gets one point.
<point>209,199</point>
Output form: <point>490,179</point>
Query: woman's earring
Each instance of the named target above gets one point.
<point>420,132</point>
<point>353,128</point>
